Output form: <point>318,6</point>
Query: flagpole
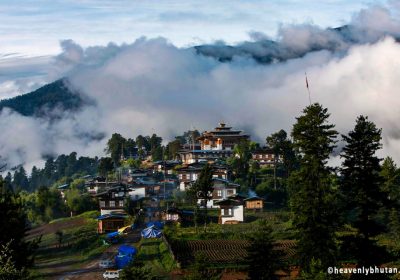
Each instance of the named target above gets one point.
<point>308,88</point>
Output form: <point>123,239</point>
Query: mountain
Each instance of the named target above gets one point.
<point>38,103</point>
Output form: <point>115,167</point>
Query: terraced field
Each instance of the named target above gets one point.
<point>221,251</point>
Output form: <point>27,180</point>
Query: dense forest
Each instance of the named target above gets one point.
<point>45,99</point>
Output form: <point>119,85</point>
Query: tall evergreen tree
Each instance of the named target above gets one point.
<point>311,194</point>
<point>8,181</point>
<point>361,186</point>
<point>129,148</point>
<point>105,166</point>
<point>115,146</point>
<point>49,167</point>
<point>71,164</point>
<point>143,144</point>
<point>34,179</point>
<point>173,148</point>
<point>20,180</point>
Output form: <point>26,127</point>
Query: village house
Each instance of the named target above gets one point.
<point>133,173</point>
<point>214,145</point>
<point>265,157</point>
<point>231,211</point>
<point>222,189</point>
<point>110,222</point>
<point>166,167</point>
<point>112,200</point>
<point>99,184</point>
<point>187,174</point>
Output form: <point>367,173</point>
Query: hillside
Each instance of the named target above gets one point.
<point>44,99</point>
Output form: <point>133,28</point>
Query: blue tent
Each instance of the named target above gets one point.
<point>156,224</point>
<point>151,232</point>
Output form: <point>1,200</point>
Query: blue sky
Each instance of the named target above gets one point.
<point>35,27</point>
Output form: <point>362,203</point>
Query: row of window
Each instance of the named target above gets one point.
<point>111,203</point>
<point>263,156</point>
<point>228,192</point>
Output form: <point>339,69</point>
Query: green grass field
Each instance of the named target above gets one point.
<point>80,243</point>
<point>155,254</point>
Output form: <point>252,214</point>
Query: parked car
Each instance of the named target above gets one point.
<point>111,274</point>
<point>106,263</point>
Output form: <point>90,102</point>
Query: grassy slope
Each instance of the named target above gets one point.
<point>155,254</point>
<point>80,243</point>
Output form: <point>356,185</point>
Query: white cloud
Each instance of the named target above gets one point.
<point>153,86</point>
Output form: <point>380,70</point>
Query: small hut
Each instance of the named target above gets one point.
<point>255,202</point>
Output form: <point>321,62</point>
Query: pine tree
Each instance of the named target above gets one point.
<point>361,186</point>
<point>34,180</point>
<point>312,198</point>
<point>20,180</point>
<point>263,260</point>
<point>115,146</point>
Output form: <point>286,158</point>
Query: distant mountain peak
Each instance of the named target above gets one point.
<point>45,100</point>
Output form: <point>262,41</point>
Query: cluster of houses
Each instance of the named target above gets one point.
<point>212,147</point>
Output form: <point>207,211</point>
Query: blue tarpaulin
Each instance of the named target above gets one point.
<point>127,250</point>
<point>112,234</point>
<point>151,232</point>
<point>125,255</point>
<point>122,261</point>
<point>108,216</point>
<point>157,224</point>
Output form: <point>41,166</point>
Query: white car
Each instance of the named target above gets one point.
<point>106,263</point>
<point>111,274</point>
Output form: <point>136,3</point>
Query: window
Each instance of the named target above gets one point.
<point>112,203</point>
<point>121,203</point>
<point>227,212</point>
<point>102,204</point>
<point>229,192</point>
<point>219,193</point>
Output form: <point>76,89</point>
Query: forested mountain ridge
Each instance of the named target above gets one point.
<point>44,99</point>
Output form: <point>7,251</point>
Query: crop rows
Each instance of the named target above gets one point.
<point>221,251</point>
